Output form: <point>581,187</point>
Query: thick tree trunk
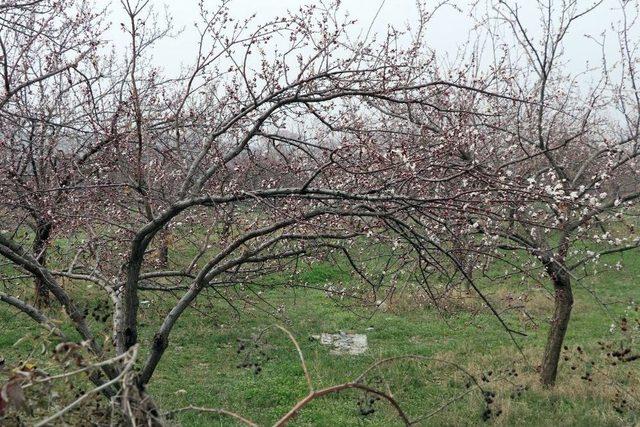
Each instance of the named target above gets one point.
<point>559,324</point>
<point>40,244</point>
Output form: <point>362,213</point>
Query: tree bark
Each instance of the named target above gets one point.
<point>163,249</point>
<point>40,245</point>
<point>139,409</point>
<point>559,324</point>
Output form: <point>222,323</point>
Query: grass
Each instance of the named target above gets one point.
<point>200,366</point>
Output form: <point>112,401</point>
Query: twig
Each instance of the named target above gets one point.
<point>334,389</point>
<point>86,368</point>
<point>133,352</point>
<point>214,411</point>
<point>302,362</point>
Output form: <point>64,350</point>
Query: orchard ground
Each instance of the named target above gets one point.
<point>203,365</point>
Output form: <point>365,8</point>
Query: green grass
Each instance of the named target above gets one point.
<point>200,366</point>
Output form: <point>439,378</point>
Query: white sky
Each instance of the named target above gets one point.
<point>447,31</point>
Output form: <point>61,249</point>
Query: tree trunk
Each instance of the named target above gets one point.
<point>559,324</point>
<point>163,249</point>
<point>139,409</point>
<point>40,244</point>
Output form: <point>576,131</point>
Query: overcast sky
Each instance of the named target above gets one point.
<point>447,31</point>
